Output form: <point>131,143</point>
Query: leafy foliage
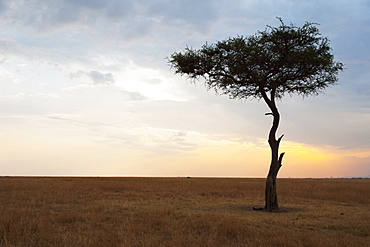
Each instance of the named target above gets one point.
<point>278,60</point>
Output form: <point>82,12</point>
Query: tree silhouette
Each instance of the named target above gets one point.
<point>267,65</point>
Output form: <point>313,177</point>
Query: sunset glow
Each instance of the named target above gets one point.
<point>85,89</point>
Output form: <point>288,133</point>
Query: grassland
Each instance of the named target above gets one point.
<point>182,212</point>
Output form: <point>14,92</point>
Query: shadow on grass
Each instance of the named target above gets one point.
<point>246,209</point>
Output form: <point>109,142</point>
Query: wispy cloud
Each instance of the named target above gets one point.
<point>96,77</point>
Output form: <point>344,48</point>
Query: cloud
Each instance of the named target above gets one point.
<point>98,78</point>
<point>135,96</point>
<point>9,48</point>
<point>48,16</point>
<point>195,14</point>
<point>124,19</point>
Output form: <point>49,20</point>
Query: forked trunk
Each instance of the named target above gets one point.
<point>271,201</point>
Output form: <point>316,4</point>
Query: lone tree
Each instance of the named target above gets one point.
<point>269,64</point>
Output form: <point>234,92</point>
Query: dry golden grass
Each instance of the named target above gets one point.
<point>182,212</point>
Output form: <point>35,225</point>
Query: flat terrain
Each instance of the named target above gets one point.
<point>182,212</point>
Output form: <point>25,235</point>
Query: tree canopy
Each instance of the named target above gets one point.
<point>279,60</point>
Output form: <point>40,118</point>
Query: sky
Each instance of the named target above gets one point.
<point>86,90</point>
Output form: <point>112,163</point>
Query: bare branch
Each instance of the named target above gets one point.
<point>281,137</point>
<point>280,160</point>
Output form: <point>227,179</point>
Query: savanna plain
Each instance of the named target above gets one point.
<point>128,211</point>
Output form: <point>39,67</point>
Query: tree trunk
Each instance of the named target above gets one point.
<point>271,201</point>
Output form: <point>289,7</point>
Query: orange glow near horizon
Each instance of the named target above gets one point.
<point>28,155</point>
<point>309,161</point>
